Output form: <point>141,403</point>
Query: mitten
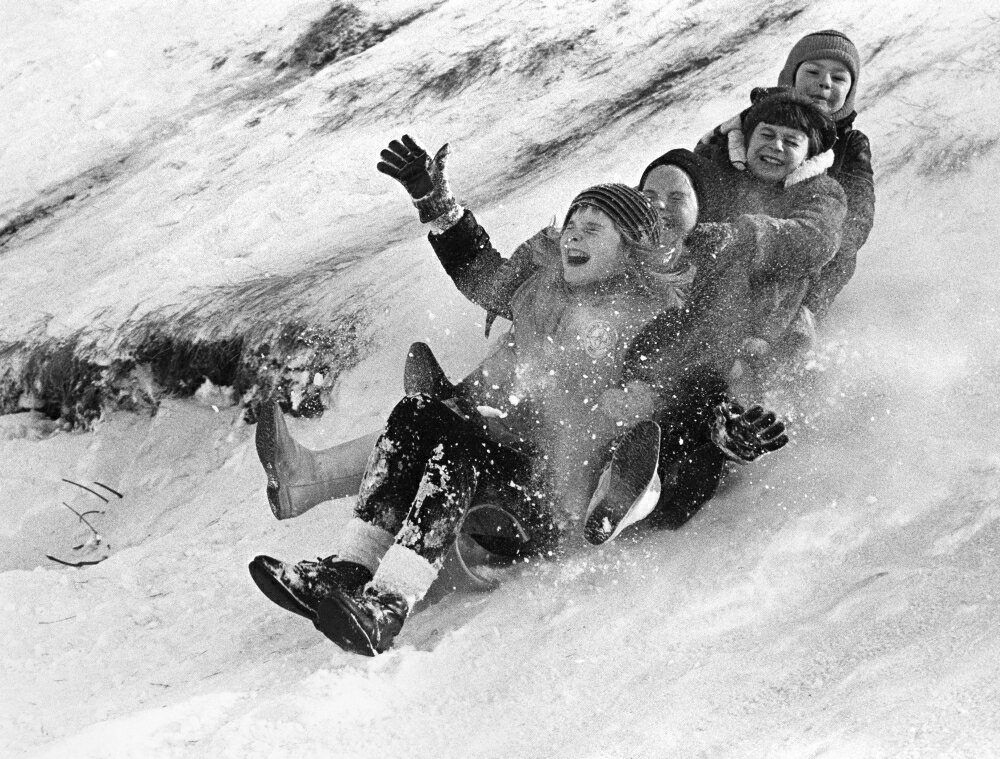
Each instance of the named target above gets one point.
<point>745,436</point>
<point>423,177</point>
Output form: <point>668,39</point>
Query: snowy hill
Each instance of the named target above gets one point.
<point>191,175</point>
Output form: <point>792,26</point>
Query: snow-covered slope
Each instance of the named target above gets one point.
<point>839,599</point>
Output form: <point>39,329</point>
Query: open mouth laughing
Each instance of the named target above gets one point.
<point>576,257</point>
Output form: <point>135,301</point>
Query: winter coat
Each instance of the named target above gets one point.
<point>489,280</point>
<point>549,383</point>
<point>852,168</point>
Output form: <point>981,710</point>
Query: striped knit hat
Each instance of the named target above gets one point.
<point>828,43</point>
<point>628,208</point>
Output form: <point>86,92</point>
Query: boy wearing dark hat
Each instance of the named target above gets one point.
<point>685,190</point>
<point>825,66</point>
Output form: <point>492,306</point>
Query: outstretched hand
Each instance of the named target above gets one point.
<point>746,435</point>
<point>408,163</point>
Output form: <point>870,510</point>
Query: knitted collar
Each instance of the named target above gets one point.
<point>810,168</point>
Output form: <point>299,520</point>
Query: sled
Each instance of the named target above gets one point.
<point>490,542</point>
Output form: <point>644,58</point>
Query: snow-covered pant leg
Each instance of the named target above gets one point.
<point>426,469</point>
<point>397,461</point>
<point>447,487</point>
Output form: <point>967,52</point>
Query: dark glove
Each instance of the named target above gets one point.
<point>423,177</point>
<point>745,436</point>
<point>407,163</point>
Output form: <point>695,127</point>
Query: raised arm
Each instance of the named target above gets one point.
<point>479,271</point>
<point>464,248</point>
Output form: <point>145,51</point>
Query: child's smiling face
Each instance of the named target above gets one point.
<point>826,81</point>
<point>591,247</point>
<point>774,152</point>
<point>670,191</point>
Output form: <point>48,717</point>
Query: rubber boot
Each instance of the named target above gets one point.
<point>299,478</point>
<point>629,486</point>
<point>422,374</point>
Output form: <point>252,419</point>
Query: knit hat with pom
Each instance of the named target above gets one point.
<point>828,43</point>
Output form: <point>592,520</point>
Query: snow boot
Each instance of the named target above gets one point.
<point>300,588</point>
<point>368,623</point>
<point>629,486</point>
<point>424,375</point>
<point>298,478</point>
<point>364,624</point>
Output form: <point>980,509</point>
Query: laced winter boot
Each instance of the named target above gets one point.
<point>363,624</point>
<point>629,486</point>
<point>301,588</point>
<point>368,623</point>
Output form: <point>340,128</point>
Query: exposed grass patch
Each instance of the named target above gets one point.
<point>54,379</point>
<point>344,30</point>
<point>180,366</point>
<point>532,158</point>
<point>956,155</point>
<point>474,65</point>
<point>661,88</point>
<point>299,366</point>
<point>292,361</point>
<point>59,196</point>
<point>542,56</point>
<point>667,85</point>
<point>354,98</point>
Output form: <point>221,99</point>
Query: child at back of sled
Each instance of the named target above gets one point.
<point>824,66</point>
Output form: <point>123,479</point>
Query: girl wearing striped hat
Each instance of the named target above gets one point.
<point>535,430</point>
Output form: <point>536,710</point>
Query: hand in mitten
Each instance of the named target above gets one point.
<point>408,163</point>
<point>745,436</point>
<point>423,177</point>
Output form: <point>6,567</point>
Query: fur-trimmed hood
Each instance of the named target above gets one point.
<point>811,167</point>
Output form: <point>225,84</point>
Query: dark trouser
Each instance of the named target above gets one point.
<point>690,463</point>
<point>427,468</point>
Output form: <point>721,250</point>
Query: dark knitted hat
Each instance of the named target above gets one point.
<point>785,107</point>
<point>706,177</point>
<point>629,209</point>
<point>828,43</point>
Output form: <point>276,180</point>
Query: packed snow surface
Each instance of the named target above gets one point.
<point>838,599</point>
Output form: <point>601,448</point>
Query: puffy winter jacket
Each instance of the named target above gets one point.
<point>489,280</point>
